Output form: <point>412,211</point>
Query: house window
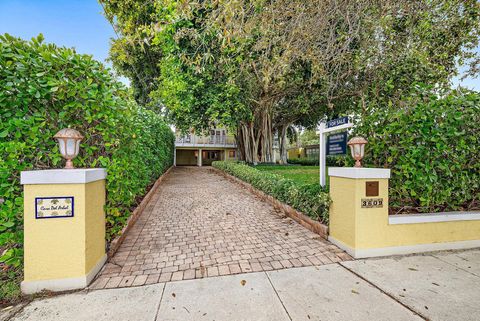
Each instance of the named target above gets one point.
<point>212,155</point>
<point>313,153</point>
<point>231,154</point>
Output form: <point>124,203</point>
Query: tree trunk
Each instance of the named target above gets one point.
<point>247,143</point>
<point>253,143</point>
<point>240,144</point>
<point>283,143</point>
<point>266,132</point>
<point>255,138</point>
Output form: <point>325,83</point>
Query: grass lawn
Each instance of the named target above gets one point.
<point>299,174</point>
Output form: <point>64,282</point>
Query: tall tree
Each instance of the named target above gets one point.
<point>260,66</point>
<point>132,52</point>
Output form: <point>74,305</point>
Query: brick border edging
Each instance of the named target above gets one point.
<point>314,226</point>
<point>115,244</point>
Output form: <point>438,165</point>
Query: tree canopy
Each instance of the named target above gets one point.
<point>259,67</point>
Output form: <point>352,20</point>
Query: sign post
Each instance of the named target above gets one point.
<point>336,145</point>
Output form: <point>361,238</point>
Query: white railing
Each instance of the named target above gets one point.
<point>212,140</point>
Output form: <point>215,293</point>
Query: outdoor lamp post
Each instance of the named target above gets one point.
<point>69,144</point>
<point>357,147</point>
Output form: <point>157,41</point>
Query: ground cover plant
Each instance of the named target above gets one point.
<point>44,88</point>
<point>310,199</point>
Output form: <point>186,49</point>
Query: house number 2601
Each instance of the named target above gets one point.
<point>372,202</point>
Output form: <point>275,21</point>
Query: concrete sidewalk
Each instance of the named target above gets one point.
<point>435,286</point>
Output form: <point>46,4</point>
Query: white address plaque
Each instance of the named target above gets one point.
<point>53,207</point>
<point>372,202</point>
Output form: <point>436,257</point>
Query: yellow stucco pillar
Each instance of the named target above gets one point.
<point>359,203</point>
<point>64,223</point>
<point>360,224</point>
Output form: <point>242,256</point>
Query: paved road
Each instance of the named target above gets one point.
<point>199,225</point>
<point>437,286</point>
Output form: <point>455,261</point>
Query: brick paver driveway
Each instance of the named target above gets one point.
<point>200,224</point>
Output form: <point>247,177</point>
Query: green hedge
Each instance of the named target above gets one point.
<point>304,161</point>
<point>433,149</point>
<point>44,88</point>
<point>311,199</point>
<point>334,161</point>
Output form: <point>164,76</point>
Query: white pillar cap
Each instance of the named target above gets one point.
<point>359,172</point>
<point>62,176</point>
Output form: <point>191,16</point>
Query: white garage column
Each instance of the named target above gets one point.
<point>199,159</point>
<point>175,157</point>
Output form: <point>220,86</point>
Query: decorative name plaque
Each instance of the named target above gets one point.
<point>372,202</point>
<point>53,207</point>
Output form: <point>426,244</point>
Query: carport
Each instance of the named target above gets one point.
<point>186,157</point>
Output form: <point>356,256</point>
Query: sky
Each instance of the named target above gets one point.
<point>75,23</point>
<point>71,23</point>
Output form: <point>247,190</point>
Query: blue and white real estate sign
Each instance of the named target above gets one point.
<point>337,122</point>
<point>337,144</point>
<point>333,141</point>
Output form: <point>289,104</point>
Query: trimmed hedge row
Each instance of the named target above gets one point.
<point>44,88</point>
<point>432,146</point>
<point>312,200</point>
<point>334,161</point>
<point>305,161</point>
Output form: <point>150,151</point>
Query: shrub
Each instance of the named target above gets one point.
<point>44,88</point>
<point>305,161</point>
<point>432,147</point>
<point>331,161</point>
<point>310,199</point>
<point>338,161</point>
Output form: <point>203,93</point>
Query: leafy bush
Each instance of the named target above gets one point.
<point>310,199</point>
<point>432,147</point>
<point>304,161</point>
<point>44,88</point>
<point>333,161</point>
